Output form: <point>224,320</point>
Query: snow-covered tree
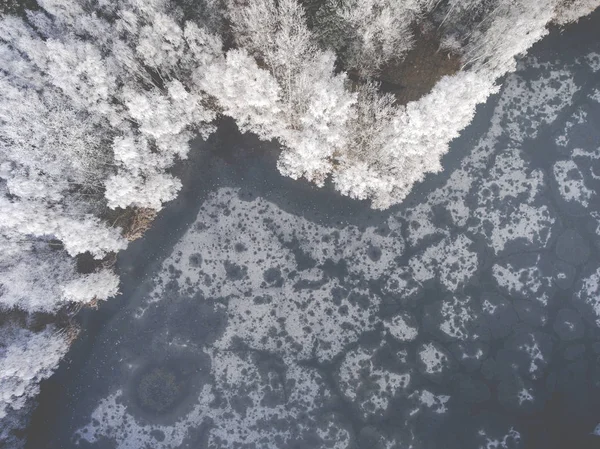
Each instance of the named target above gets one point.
<point>99,285</point>
<point>367,34</point>
<point>371,147</point>
<point>99,101</point>
<point>568,11</point>
<point>38,278</point>
<point>149,191</point>
<point>26,359</point>
<point>83,233</point>
<point>134,71</point>
<point>82,108</point>
<point>508,31</point>
<point>405,143</point>
<point>313,100</point>
<point>247,93</point>
<point>276,34</point>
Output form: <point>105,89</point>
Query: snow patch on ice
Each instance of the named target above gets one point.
<point>367,385</point>
<point>571,183</point>
<point>593,60</point>
<point>589,293</point>
<point>508,441</point>
<point>433,358</point>
<point>527,282</point>
<point>510,207</point>
<point>457,314</point>
<point>450,261</point>
<point>399,328</point>
<point>436,403</point>
<point>545,95</point>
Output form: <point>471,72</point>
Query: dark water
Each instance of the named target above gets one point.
<point>261,312</point>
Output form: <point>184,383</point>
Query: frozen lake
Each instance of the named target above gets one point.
<point>261,312</point>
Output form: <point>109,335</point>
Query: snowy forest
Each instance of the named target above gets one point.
<point>100,99</point>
